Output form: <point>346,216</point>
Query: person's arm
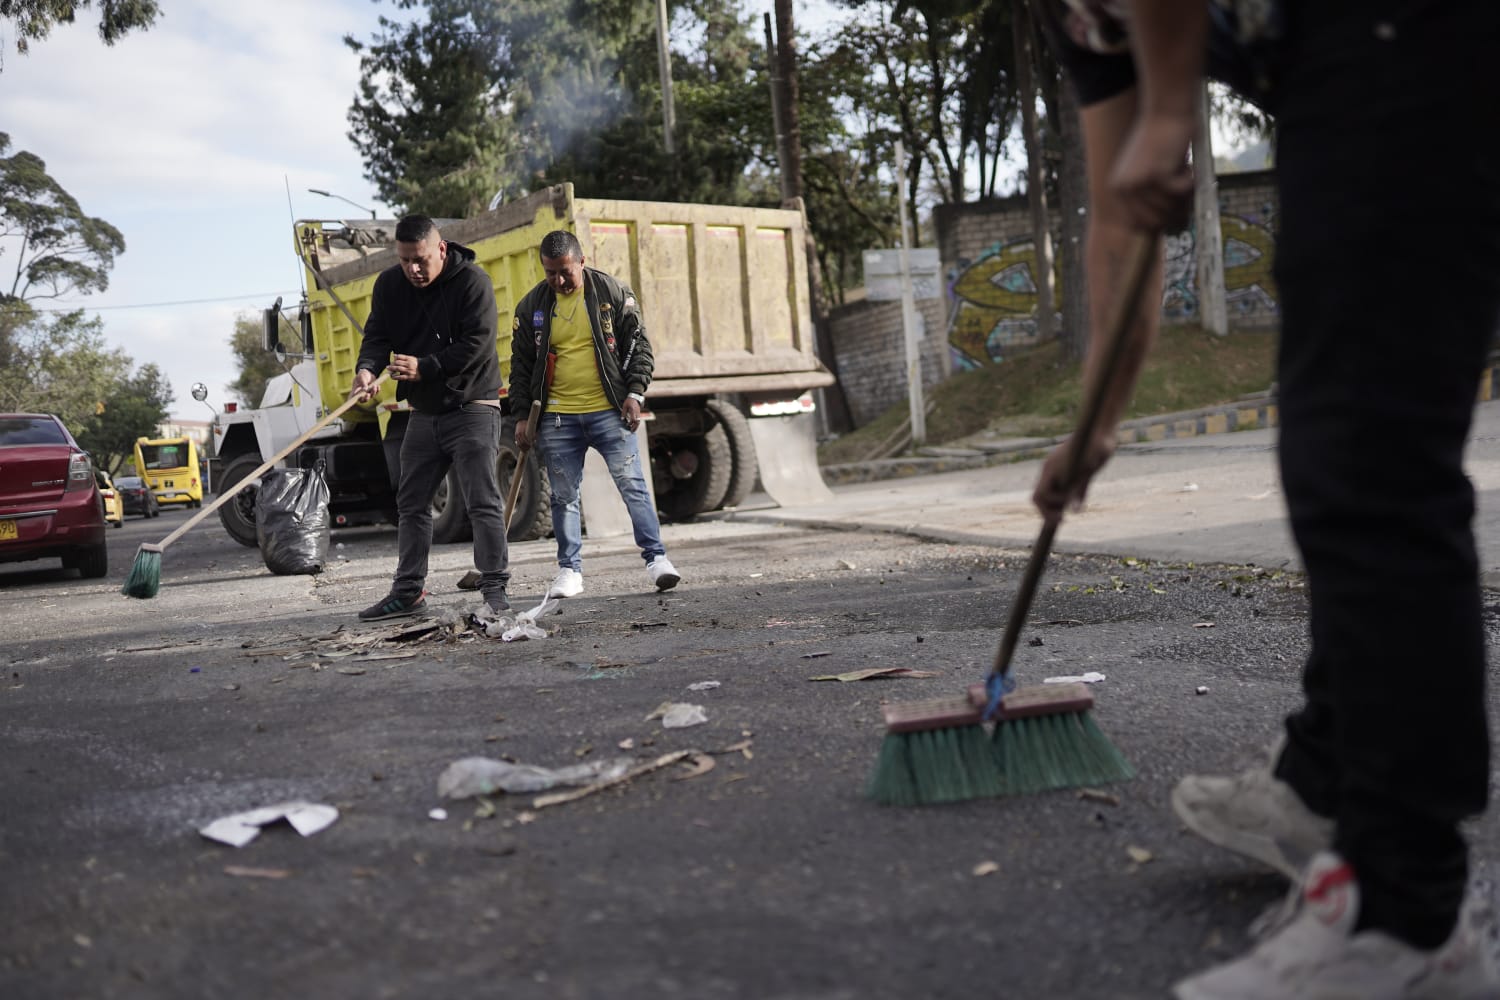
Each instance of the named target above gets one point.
<point>374,346</point>
<point>522,356</point>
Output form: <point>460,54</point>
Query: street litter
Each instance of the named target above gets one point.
<point>238,829</point>
<point>985,868</point>
<point>1189,488</point>
<point>874,673</point>
<point>240,871</point>
<point>1139,854</point>
<point>472,776</point>
<point>703,686</point>
<point>678,715</point>
<point>819,654</point>
<point>1092,677</point>
<point>438,815</point>
<point>697,764</point>
<point>1202,689</point>
<point>558,798</point>
<point>520,627</point>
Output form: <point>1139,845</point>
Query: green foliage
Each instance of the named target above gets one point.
<point>256,365</point>
<point>134,407</point>
<point>35,19</point>
<point>60,364</point>
<point>58,249</point>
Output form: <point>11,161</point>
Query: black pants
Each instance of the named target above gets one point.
<point>1388,267</point>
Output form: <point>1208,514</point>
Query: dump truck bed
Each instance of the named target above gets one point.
<point>723,289</point>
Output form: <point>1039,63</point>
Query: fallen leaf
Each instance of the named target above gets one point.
<point>1095,795</point>
<point>1139,854</point>
<point>240,871</point>
<point>526,817</point>
<point>626,744</point>
<point>1203,625</point>
<point>985,868</point>
<point>700,763</point>
<point>875,672</point>
<point>814,656</point>
<point>352,671</point>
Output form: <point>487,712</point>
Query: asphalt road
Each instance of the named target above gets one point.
<point>126,725</point>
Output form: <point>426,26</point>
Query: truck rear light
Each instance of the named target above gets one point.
<point>784,407</point>
<point>231,407</point>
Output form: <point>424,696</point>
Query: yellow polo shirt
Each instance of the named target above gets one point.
<point>576,387</point>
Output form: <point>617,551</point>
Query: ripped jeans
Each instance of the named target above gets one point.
<point>563,439</point>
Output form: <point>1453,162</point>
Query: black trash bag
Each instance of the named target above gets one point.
<point>291,520</point>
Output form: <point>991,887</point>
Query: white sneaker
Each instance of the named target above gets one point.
<point>1317,955</point>
<point>568,583</point>
<point>1255,814</point>
<point>663,574</point>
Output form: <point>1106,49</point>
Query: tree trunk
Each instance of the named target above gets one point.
<point>1036,187</point>
<point>1213,311</point>
<point>1072,190</point>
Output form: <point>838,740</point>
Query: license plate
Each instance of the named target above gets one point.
<point>8,531</point>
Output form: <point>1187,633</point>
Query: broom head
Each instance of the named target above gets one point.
<point>934,751</point>
<point>144,579</point>
<point>1045,738</point>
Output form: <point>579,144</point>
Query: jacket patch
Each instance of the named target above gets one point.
<point>537,318</point>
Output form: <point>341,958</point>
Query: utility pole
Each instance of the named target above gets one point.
<point>664,60</point>
<point>909,312</point>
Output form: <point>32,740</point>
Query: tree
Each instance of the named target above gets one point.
<point>61,365</point>
<point>256,364</point>
<point>33,20</point>
<point>134,407</point>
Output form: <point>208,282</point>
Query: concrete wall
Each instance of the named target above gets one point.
<point>868,339</point>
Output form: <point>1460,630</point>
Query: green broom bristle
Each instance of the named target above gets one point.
<point>1045,752</point>
<point>951,764</point>
<point>144,578</point>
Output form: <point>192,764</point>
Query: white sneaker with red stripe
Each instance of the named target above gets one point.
<point>1316,955</point>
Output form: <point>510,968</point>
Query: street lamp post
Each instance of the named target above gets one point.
<point>330,194</point>
<point>200,393</point>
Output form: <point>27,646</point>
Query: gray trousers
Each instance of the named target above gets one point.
<point>467,439</point>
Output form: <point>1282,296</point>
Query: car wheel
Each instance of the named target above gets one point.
<point>90,563</point>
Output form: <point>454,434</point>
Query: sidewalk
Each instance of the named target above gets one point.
<point>1168,496</point>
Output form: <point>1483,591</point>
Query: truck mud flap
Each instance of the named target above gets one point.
<point>786,448</point>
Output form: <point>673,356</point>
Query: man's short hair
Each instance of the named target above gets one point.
<point>559,244</point>
<point>415,228</point>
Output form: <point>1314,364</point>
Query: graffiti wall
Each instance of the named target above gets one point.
<point>990,268</point>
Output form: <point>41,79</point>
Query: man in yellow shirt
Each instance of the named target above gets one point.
<point>579,346</point>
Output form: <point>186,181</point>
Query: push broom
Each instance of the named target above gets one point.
<point>144,579</point>
<point>937,751</point>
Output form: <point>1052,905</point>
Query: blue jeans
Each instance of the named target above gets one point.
<point>466,439</point>
<point>563,439</point>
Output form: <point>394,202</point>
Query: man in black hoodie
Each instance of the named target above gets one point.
<point>432,324</point>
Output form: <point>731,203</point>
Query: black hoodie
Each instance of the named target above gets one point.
<point>449,326</point>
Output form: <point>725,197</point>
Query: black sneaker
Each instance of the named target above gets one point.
<point>498,603</point>
<point>394,606</point>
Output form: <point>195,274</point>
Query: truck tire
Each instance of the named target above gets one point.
<point>450,521</point>
<point>743,462</point>
<point>238,515</point>
<point>532,517</point>
<point>691,473</point>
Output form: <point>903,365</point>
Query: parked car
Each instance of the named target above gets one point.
<point>49,499</point>
<point>114,506</point>
<point>137,496</point>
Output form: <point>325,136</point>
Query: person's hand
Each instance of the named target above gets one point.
<point>363,387</point>
<point>1054,494</point>
<point>1151,178</point>
<point>630,414</point>
<point>525,434</point>
<point>405,368</point>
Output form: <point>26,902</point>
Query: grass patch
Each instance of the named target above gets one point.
<point>1035,393</point>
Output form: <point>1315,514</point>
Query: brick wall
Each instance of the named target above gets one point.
<point>872,354</point>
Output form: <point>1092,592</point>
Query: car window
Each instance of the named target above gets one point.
<point>18,431</point>
<point>128,482</point>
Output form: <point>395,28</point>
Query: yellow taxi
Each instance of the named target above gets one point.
<point>114,504</point>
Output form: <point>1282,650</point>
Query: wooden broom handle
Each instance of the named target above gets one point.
<point>1140,255</point>
<point>515,478</point>
<point>283,453</point>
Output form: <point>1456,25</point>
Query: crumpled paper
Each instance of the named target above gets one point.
<point>511,628</point>
<point>238,829</point>
<point>472,776</point>
<point>678,715</point>
<point>1092,677</point>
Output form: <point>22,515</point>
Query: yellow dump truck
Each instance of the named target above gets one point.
<point>724,296</point>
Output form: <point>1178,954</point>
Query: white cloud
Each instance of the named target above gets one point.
<point>187,137</point>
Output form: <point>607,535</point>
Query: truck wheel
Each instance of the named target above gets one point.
<point>743,463</point>
<point>238,515</point>
<point>450,522</point>
<point>532,517</point>
<point>691,474</point>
